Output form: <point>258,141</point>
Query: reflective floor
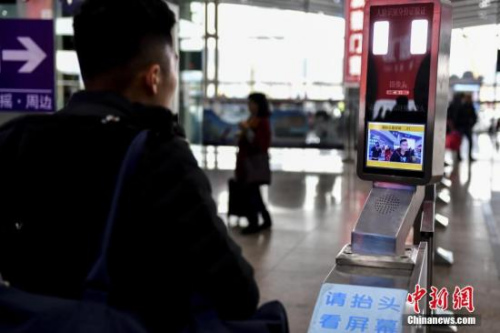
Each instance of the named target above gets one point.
<point>315,200</point>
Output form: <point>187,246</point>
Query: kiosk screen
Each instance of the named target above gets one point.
<point>397,89</point>
<point>395,146</point>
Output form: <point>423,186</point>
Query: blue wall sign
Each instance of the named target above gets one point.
<point>27,73</point>
<point>348,308</point>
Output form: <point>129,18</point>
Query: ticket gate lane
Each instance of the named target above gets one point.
<point>401,129</point>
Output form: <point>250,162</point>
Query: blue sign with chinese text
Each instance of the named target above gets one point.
<point>27,73</point>
<point>348,308</point>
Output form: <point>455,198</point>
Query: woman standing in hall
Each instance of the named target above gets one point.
<point>252,163</point>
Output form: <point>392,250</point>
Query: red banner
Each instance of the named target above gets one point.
<point>354,19</point>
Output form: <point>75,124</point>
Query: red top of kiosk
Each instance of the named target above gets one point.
<point>405,52</point>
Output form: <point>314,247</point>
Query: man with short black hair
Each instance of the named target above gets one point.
<point>127,47</point>
<point>58,173</point>
<point>403,154</point>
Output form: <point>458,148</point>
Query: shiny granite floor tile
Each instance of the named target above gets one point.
<point>314,213</point>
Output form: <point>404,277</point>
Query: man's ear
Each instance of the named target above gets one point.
<point>153,78</point>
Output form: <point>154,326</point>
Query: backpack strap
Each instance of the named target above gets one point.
<point>98,281</point>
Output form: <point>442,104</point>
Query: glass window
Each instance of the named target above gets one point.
<point>474,49</point>
<point>284,52</point>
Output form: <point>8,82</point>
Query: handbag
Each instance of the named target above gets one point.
<point>23,312</point>
<point>454,140</point>
<point>257,169</point>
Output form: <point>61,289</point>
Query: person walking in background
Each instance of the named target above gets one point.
<point>453,135</point>
<point>252,162</point>
<point>453,110</point>
<point>464,119</point>
<point>497,129</point>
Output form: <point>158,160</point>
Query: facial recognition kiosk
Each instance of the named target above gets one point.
<point>401,145</point>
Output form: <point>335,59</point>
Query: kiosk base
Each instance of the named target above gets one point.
<point>406,261</point>
<point>380,277</point>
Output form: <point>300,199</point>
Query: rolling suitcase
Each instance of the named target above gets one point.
<point>237,203</point>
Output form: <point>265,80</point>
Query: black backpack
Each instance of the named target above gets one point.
<point>22,312</point>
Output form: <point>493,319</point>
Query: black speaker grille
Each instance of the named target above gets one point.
<point>387,204</point>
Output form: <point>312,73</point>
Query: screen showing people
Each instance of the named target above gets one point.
<point>395,146</point>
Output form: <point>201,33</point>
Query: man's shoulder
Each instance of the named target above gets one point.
<point>174,162</point>
<point>13,126</point>
<point>174,151</point>
<point>14,122</point>
<point>42,119</point>
<point>167,146</point>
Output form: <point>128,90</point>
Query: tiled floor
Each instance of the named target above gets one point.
<point>315,203</point>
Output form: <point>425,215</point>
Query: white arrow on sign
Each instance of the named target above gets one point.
<point>33,55</point>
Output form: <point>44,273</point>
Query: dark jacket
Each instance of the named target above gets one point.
<point>57,175</point>
<point>465,117</point>
<point>376,152</point>
<point>453,110</point>
<point>253,141</point>
<point>397,156</point>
